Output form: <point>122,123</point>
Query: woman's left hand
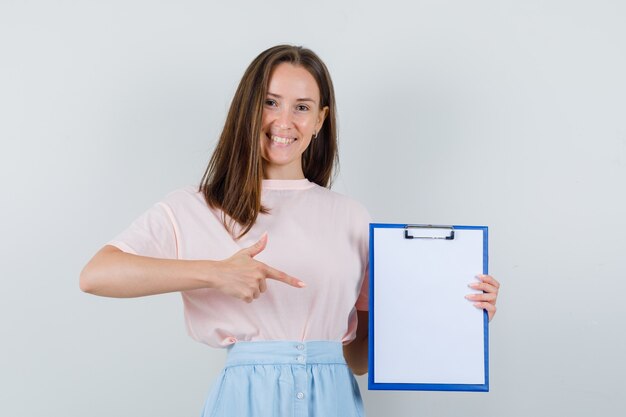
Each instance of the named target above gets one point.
<point>487,299</point>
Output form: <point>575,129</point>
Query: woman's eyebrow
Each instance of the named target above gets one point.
<point>300,99</point>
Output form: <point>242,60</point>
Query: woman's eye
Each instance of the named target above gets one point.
<point>270,102</point>
<point>302,107</point>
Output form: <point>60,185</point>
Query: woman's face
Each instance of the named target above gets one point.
<point>291,116</point>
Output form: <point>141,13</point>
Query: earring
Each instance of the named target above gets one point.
<point>315,135</point>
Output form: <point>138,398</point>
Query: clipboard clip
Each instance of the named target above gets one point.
<point>410,232</point>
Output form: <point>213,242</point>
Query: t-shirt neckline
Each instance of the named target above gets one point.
<point>299,184</point>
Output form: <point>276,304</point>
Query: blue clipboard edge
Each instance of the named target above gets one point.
<point>372,385</point>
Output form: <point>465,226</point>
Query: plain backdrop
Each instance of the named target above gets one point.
<point>504,113</point>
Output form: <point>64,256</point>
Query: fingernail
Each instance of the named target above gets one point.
<point>469,297</point>
<point>476,304</point>
<point>301,284</point>
<point>473,285</point>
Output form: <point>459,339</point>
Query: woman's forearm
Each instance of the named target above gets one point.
<point>355,353</point>
<point>114,273</point>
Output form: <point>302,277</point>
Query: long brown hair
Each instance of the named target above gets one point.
<point>232,180</point>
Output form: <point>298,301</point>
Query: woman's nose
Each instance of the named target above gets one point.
<point>284,119</point>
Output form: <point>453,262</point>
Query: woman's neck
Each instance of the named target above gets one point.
<point>283,173</point>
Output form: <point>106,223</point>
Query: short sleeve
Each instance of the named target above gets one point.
<point>153,234</point>
<point>364,219</point>
<point>362,303</point>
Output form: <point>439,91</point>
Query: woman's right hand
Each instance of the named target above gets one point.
<point>243,277</point>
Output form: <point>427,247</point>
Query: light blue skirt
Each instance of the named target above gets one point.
<point>285,379</point>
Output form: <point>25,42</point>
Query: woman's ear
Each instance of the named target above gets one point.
<point>320,118</point>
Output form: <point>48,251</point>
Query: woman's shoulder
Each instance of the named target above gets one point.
<point>350,204</point>
<point>185,198</point>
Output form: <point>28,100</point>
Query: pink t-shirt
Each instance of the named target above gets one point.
<point>315,234</point>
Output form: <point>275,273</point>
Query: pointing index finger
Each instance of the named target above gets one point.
<point>277,275</point>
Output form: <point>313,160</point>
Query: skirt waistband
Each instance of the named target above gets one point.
<point>285,353</point>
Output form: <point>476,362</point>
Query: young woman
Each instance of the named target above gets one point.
<point>271,264</point>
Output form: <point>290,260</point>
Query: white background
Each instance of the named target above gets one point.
<point>510,114</point>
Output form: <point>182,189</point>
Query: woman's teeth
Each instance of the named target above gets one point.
<point>284,141</point>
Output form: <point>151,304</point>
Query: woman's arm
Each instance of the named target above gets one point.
<point>356,352</point>
<point>114,273</point>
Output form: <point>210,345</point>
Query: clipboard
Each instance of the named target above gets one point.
<point>423,333</point>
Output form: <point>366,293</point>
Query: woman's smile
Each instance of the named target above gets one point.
<point>281,140</point>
